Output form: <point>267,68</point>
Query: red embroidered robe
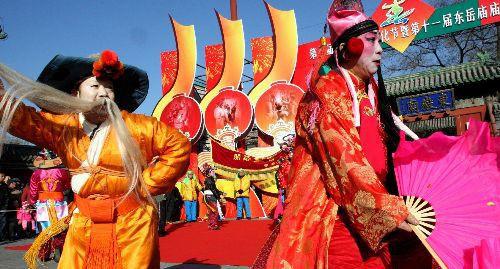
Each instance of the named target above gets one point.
<point>329,170</point>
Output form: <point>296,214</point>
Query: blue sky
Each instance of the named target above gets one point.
<point>137,30</point>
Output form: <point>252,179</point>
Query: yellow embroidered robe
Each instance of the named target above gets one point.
<point>136,231</point>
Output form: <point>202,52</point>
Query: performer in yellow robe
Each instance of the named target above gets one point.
<point>113,225</point>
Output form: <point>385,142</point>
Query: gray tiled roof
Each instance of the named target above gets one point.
<point>442,78</point>
<point>432,124</point>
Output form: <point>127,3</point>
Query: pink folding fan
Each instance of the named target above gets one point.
<point>451,185</point>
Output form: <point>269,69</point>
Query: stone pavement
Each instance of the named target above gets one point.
<point>13,259</point>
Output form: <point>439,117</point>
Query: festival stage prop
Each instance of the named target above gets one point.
<point>285,51</point>
<point>228,113</point>
<point>451,185</point>
<point>278,108</point>
<point>176,108</point>
<point>229,117</point>
<point>261,171</point>
<point>234,59</point>
<point>184,114</point>
<point>178,67</point>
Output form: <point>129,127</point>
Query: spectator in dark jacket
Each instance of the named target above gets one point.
<point>170,209</point>
<point>14,204</point>
<point>4,203</point>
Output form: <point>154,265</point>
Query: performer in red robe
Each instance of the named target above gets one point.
<point>338,210</point>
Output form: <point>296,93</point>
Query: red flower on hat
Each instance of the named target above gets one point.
<point>108,66</point>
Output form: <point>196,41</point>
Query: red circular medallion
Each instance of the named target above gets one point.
<point>184,114</point>
<point>229,112</point>
<point>276,108</point>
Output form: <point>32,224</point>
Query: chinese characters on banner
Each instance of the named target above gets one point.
<point>262,56</point>
<point>405,21</point>
<point>460,16</point>
<point>401,21</point>
<point>313,52</point>
<point>307,56</point>
<point>425,103</point>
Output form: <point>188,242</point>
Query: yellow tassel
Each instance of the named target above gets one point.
<point>52,211</point>
<point>31,256</point>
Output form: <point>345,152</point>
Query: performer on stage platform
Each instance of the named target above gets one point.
<point>118,160</point>
<point>212,195</point>
<point>338,210</point>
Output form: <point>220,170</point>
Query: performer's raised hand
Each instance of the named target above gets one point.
<point>405,225</point>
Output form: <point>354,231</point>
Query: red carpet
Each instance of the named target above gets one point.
<point>236,243</point>
<point>23,247</point>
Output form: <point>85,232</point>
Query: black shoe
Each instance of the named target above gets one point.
<point>238,218</point>
<point>162,233</point>
<point>249,218</point>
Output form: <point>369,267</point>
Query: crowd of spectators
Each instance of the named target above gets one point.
<point>13,192</point>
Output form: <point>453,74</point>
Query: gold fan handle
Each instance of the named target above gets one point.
<point>422,238</point>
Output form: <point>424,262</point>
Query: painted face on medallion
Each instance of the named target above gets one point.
<point>178,118</point>
<point>225,112</point>
<point>280,105</point>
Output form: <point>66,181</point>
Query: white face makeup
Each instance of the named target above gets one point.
<point>93,89</point>
<point>369,61</point>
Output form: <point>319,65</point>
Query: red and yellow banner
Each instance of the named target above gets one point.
<point>262,172</point>
<point>214,62</point>
<point>168,60</point>
<point>235,160</point>
<point>309,55</point>
<point>262,56</point>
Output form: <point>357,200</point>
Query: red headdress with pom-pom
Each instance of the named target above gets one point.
<point>207,169</point>
<point>108,66</point>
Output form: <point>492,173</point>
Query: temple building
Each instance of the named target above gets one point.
<point>444,99</point>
